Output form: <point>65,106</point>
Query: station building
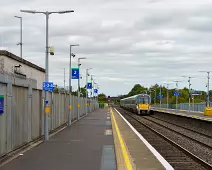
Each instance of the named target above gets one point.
<point>20,70</point>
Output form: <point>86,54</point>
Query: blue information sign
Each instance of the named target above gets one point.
<point>89,85</point>
<point>1,105</point>
<point>75,73</point>
<point>162,96</point>
<point>48,86</point>
<point>96,91</point>
<point>177,93</point>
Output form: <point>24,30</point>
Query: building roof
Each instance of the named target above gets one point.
<point>21,60</point>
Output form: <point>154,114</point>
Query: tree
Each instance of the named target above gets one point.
<point>137,89</point>
<point>102,97</point>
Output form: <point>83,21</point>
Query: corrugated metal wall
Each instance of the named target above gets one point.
<point>23,118</point>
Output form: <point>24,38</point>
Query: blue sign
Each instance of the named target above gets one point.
<point>75,73</point>
<point>176,93</point>
<point>90,85</point>
<point>1,105</point>
<point>96,91</point>
<point>48,86</point>
<point>162,96</point>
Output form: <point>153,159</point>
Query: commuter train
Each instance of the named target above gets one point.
<point>140,104</point>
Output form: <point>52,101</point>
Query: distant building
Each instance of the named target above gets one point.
<point>16,67</point>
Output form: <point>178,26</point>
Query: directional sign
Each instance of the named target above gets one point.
<point>48,86</point>
<point>89,85</point>
<point>162,96</point>
<point>75,73</point>
<point>177,93</point>
<point>96,91</point>
<point>1,104</point>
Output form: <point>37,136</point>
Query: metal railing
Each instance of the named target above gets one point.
<point>198,107</point>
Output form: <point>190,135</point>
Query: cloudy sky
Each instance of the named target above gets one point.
<point>124,41</point>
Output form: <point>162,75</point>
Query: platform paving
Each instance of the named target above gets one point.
<point>87,145</point>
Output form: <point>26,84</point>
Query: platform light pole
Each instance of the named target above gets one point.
<point>155,95</point>
<point>20,43</point>
<point>78,94</point>
<point>160,96</point>
<point>46,13</point>
<point>167,94</point>
<point>87,74</point>
<point>70,87</point>
<point>176,81</point>
<point>208,97</point>
<point>189,91</point>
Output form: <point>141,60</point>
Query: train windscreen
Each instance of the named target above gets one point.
<point>143,100</point>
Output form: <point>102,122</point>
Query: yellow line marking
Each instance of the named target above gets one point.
<point>123,147</point>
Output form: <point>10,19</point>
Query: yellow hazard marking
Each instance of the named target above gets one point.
<point>87,104</point>
<point>70,107</point>
<point>123,147</point>
<point>78,105</point>
<point>47,110</point>
<point>108,132</point>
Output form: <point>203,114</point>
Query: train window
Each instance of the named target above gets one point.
<point>143,100</point>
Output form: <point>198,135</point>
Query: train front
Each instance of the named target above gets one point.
<point>144,104</point>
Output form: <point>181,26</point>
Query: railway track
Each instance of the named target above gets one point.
<point>182,151</point>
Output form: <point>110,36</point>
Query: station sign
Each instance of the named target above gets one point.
<point>96,91</point>
<point>177,93</point>
<point>75,73</point>
<point>162,96</point>
<point>196,93</point>
<point>48,86</point>
<point>1,105</point>
<point>89,85</point>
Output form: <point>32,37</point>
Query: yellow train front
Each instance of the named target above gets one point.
<point>140,104</point>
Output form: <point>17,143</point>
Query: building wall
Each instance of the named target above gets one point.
<point>8,65</point>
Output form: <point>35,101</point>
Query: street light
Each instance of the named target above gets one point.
<point>208,98</point>
<point>78,95</point>
<point>87,74</point>
<point>167,95</point>
<point>46,13</point>
<point>177,81</point>
<point>70,87</point>
<point>20,43</point>
<point>189,87</point>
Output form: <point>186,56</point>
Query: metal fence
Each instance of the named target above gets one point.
<point>200,107</point>
<point>23,117</point>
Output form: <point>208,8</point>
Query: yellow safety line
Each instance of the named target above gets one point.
<point>123,147</point>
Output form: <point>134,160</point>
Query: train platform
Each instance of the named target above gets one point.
<point>102,140</point>
<point>132,150</point>
<point>87,144</point>
<point>185,113</point>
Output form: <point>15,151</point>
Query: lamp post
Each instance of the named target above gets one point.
<point>70,87</point>
<point>167,95</point>
<point>160,96</point>
<point>46,13</point>
<point>87,74</point>
<point>78,94</point>
<point>176,93</point>
<point>189,91</point>
<point>208,97</point>
<point>20,43</point>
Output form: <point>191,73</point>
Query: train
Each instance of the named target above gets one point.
<point>140,104</point>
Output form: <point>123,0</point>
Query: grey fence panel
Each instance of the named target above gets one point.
<point>19,116</point>
<point>3,122</point>
<point>36,116</point>
<point>23,118</point>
